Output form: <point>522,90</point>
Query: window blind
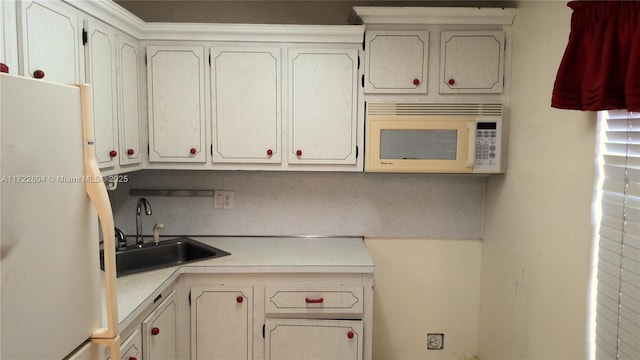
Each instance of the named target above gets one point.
<point>617,319</point>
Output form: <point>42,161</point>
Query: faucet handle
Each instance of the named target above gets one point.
<point>121,240</point>
<point>156,233</point>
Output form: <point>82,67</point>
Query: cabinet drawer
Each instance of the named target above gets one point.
<point>326,299</point>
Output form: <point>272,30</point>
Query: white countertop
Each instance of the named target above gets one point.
<point>248,255</point>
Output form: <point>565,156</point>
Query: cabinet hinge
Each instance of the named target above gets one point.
<point>211,149</point>
<point>364,39</point>
<point>209,59</point>
<point>263,330</point>
<point>145,59</point>
<point>357,151</point>
<point>148,149</point>
<point>85,37</point>
<point>362,80</point>
<point>358,62</point>
<point>189,298</point>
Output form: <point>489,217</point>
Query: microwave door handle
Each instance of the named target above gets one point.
<point>471,132</point>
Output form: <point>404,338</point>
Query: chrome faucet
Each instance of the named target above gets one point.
<point>147,210</point>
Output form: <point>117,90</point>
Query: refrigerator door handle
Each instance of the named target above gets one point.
<point>98,194</point>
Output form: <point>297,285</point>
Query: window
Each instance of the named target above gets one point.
<point>617,283</point>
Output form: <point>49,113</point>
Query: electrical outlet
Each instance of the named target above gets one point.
<point>435,341</point>
<point>223,200</point>
<point>228,200</point>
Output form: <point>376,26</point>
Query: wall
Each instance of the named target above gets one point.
<point>425,286</point>
<point>273,12</point>
<point>537,239</point>
<point>312,203</point>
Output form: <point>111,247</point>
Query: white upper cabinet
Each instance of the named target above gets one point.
<point>246,104</point>
<point>9,35</point>
<point>322,106</point>
<point>275,97</point>
<point>4,35</point>
<point>101,74</point>
<point>128,80</point>
<point>51,45</point>
<point>273,105</point>
<point>112,63</point>
<point>396,62</point>
<point>436,54</point>
<point>472,62</point>
<point>175,76</point>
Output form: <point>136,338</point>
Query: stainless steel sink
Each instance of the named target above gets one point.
<point>167,253</point>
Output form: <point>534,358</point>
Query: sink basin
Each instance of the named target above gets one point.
<point>167,253</point>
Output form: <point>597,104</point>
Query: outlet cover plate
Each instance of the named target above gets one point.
<point>223,199</point>
<point>435,341</point>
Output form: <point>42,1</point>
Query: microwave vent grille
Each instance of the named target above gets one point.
<point>435,109</point>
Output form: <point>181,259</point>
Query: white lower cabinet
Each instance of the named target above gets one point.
<point>277,316</point>
<point>159,331</point>
<point>313,339</point>
<point>153,333</point>
<point>131,348</point>
<point>297,325</point>
<point>221,322</point>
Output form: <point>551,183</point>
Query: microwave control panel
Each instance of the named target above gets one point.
<point>487,145</point>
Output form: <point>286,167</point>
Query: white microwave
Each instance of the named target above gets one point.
<point>435,138</point>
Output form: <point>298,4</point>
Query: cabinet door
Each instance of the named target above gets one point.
<point>51,41</point>
<point>472,62</point>
<point>128,57</point>
<point>9,35</point>
<point>131,348</point>
<point>101,74</point>
<point>4,35</point>
<point>323,106</point>
<point>245,90</point>
<point>159,331</point>
<point>313,339</point>
<point>396,62</point>
<point>175,76</point>
<point>221,322</point>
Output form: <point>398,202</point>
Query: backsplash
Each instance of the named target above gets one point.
<point>309,203</point>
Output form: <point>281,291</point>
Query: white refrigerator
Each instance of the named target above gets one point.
<point>51,198</point>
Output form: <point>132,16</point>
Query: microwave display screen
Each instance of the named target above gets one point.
<point>486,126</point>
<point>418,144</point>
